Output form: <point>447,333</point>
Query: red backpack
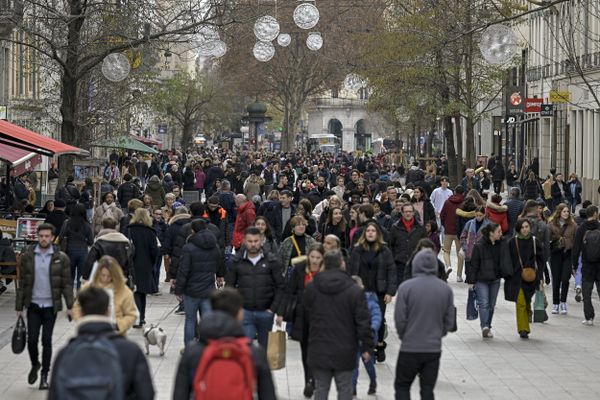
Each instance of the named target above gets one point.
<point>225,371</point>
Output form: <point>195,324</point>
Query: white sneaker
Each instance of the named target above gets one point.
<point>459,279</point>
<point>588,322</point>
<point>563,308</point>
<point>554,308</point>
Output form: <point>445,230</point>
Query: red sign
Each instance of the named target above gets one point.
<point>533,105</point>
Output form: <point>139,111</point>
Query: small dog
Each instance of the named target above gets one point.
<point>155,336</point>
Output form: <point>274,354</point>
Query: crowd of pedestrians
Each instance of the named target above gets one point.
<point>323,243</point>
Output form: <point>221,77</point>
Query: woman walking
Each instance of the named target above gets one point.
<point>472,233</point>
<point>269,245</point>
<point>484,272</point>
<point>146,251</point>
<point>108,208</point>
<point>527,260</point>
<point>562,228</point>
<point>75,238</point>
<point>293,249</point>
<point>336,225</point>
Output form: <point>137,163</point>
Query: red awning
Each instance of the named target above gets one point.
<point>20,160</point>
<point>15,136</point>
<point>147,141</point>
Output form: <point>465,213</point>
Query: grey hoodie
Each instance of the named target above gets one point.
<point>424,307</point>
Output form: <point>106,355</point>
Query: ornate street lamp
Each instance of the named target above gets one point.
<point>255,117</point>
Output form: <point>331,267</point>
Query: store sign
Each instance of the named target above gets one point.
<point>533,105</point>
<point>559,96</point>
<point>515,102</point>
<point>162,129</point>
<point>547,110</point>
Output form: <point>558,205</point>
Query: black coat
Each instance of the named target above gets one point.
<point>428,212</point>
<point>403,243</point>
<point>277,222</point>
<point>485,265</point>
<point>168,247</point>
<point>378,274</point>
<point>127,191</point>
<point>557,197</point>
<point>218,325</point>
<point>112,244</point>
<point>260,285</point>
<point>338,319</point>
<point>589,270</point>
<point>137,380</point>
<point>200,262</point>
<point>188,179</point>
<point>146,251</point>
<point>294,293</point>
<point>57,218</point>
<point>513,284</point>
<point>531,189</point>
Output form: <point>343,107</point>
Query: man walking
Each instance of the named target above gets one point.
<point>45,278</point>
<point>421,322</point>
<point>338,320</point>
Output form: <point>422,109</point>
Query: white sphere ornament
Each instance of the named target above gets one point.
<point>284,39</point>
<point>208,42</point>
<point>306,16</point>
<point>266,28</point>
<point>219,49</point>
<point>115,67</point>
<point>498,44</point>
<point>353,83</point>
<point>263,51</point>
<point>314,41</point>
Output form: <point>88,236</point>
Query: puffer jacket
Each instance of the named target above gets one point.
<point>200,262</point>
<point>168,247</point>
<point>127,191</point>
<point>470,236</point>
<point>61,282</point>
<point>377,273</point>
<point>156,192</point>
<point>498,214</point>
<point>448,214</point>
<point>485,265</point>
<point>260,285</point>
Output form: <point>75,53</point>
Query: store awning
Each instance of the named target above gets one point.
<point>18,137</point>
<point>20,161</point>
<point>125,142</point>
<point>147,141</point>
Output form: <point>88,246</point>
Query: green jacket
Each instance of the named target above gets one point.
<point>286,250</point>
<point>61,282</point>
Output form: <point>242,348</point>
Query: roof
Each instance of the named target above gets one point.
<point>18,137</point>
<point>124,142</point>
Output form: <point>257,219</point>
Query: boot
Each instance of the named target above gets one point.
<point>309,389</point>
<point>381,352</point>
<point>44,381</point>
<point>33,374</point>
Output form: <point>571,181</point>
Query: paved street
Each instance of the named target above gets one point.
<point>560,361</point>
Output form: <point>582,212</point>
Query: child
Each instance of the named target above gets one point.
<point>373,304</point>
<point>432,234</point>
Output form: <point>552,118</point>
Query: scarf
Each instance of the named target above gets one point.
<point>408,224</point>
<point>522,237</point>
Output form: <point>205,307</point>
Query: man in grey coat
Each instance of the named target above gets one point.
<point>421,322</point>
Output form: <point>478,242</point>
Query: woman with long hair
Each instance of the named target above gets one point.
<point>336,225</point>
<point>268,242</point>
<point>373,261</point>
<point>484,272</point>
<point>146,251</point>
<point>531,187</point>
<point>424,211</point>
<point>353,223</point>
<point>471,234</point>
<point>108,275</point>
<point>74,238</point>
<point>292,310</point>
<point>562,228</point>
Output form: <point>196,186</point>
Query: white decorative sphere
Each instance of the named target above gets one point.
<point>220,48</point>
<point>115,67</point>
<point>263,51</point>
<point>266,28</point>
<point>284,39</point>
<point>306,16</point>
<point>353,83</point>
<point>314,41</point>
<point>498,44</point>
<point>208,41</point>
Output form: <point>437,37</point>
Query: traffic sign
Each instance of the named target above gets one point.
<point>547,110</point>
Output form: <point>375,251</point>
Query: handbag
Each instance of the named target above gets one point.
<point>19,336</point>
<point>528,272</point>
<point>539,306</point>
<point>276,349</point>
<point>472,312</point>
<point>300,258</point>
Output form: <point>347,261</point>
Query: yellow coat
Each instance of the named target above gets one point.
<point>124,311</point>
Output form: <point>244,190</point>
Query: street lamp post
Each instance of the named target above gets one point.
<point>255,117</point>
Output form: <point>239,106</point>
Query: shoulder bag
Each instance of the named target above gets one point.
<point>528,272</point>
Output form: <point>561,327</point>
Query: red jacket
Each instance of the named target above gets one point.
<point>448,214</point>
<point>245,218</point>
<point>497,213</point>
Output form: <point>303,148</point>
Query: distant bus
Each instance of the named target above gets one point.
<point>326,142</point>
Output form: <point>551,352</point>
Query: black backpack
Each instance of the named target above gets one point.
<point>591,246</point>
<point>90,369</point>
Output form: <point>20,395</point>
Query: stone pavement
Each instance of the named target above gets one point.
<point>561,360</point>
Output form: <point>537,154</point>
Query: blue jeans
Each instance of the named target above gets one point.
<point>258,323</point>
<point>487,292</point>
<point>369,366</point>
<point>578,274</point>
<point>192,305</point>
<point>77,258</point>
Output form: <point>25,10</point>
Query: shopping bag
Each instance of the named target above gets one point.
<point>539,307</point>
<point>472,312</point>
<point>276,348</point>
<point>19,337</point>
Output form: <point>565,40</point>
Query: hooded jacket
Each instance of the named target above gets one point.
<point>217,325</point>
<point>245,217</point>
<point>113,244</point>
<point>498,214</point>
<point>338,319</point>
<point>156,192</point>
<point>422,321</point>
<point>200,262</point>
<point>588,269</point>
<point>448,214</point>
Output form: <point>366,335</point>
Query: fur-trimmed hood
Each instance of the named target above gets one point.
<point>179,217</point>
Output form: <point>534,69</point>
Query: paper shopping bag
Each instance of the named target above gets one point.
<point>276,349</point>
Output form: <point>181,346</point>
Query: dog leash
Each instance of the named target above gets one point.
<point>164,317</point>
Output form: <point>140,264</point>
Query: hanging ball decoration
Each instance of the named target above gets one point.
<point>219,49</point>
<point>208,38</point>
<point>284,39</point>
<point>306,16</point>
<point>115,67</point>
<point>353,83</point>
<point>314,41</point>
<point>263,51</point>
<point>266,28</point>
<point>498,44</point>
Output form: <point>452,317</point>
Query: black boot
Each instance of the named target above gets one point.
<point>33,373</point>
<point>372,388</point>
<point>309,389</point>
<point>44,381</point>
<point>381,352</point>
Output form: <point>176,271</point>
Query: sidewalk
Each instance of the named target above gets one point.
<point>559,361</point>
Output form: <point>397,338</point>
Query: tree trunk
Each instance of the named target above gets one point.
<point>459,142</point>
<point>471,153</point>
<point>187,134</point>
<point>451,152</point>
